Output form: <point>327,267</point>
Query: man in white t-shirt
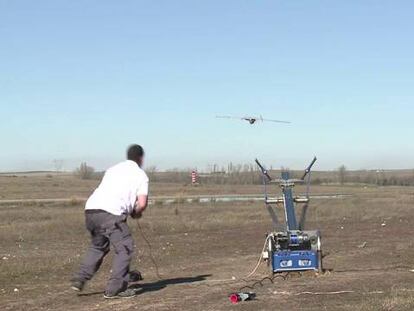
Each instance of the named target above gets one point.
<point>123,191</point>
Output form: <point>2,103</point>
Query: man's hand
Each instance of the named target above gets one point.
<point>136,215</point>
<point>140,206</point>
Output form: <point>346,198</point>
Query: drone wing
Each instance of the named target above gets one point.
<point>276,121</point>
<point>230,117</point>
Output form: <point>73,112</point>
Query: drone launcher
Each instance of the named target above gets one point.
<point>289,246</point>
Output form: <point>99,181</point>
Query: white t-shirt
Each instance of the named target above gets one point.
<point>119,188</point>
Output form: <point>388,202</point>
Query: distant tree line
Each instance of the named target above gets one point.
<point>249,174</point>
<point>368,177</point>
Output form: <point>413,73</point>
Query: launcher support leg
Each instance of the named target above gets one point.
<point>272,215</point>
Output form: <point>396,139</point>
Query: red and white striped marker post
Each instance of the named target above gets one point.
<point>194,178</point>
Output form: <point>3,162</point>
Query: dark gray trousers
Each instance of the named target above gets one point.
<point>108,231</point>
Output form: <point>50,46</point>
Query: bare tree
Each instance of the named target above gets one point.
<point>58,164</point>
<point>152,173</point>
<point>84,171</point>
<point>342,174</point>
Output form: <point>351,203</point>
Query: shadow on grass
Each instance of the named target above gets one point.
<point>142,288</point>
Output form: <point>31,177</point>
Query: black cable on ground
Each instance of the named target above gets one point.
<point>150,250</point>
<point>260,282</point>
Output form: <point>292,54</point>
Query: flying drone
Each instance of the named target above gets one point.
<point>253,120</point>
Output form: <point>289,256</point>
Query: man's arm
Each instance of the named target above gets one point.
<point>142,203</point>
<point>142,199</point>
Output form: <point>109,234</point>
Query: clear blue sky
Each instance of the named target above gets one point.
<point>80,80</point>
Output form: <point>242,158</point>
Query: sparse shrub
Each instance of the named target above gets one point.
<point>179,200</point>
<point>74,202</point>
<point>84,171</point>
<point>342,174</point>
<point>157,203</point>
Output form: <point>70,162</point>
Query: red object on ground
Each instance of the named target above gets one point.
<point>237,297</point>
<point>234,298</point>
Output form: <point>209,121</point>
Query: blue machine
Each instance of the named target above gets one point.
<point>289,247</point>
<point>294,261</point>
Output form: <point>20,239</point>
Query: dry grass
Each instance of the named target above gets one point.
<point>68,186</point>
<point>43,245</point>
<point>398,299</point>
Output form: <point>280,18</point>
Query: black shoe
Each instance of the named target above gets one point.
<point>128,293</point>
<point>77,285</point>
<point>135,276</point>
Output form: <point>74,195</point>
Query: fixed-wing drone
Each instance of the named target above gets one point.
<point>252,120</point>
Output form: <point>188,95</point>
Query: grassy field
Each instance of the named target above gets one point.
<point>204,250</point>
<point>67,186</point>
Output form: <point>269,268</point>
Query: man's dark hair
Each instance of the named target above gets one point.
<point>135,153</point>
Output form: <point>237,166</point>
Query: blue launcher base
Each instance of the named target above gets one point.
<point>284,261</point>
